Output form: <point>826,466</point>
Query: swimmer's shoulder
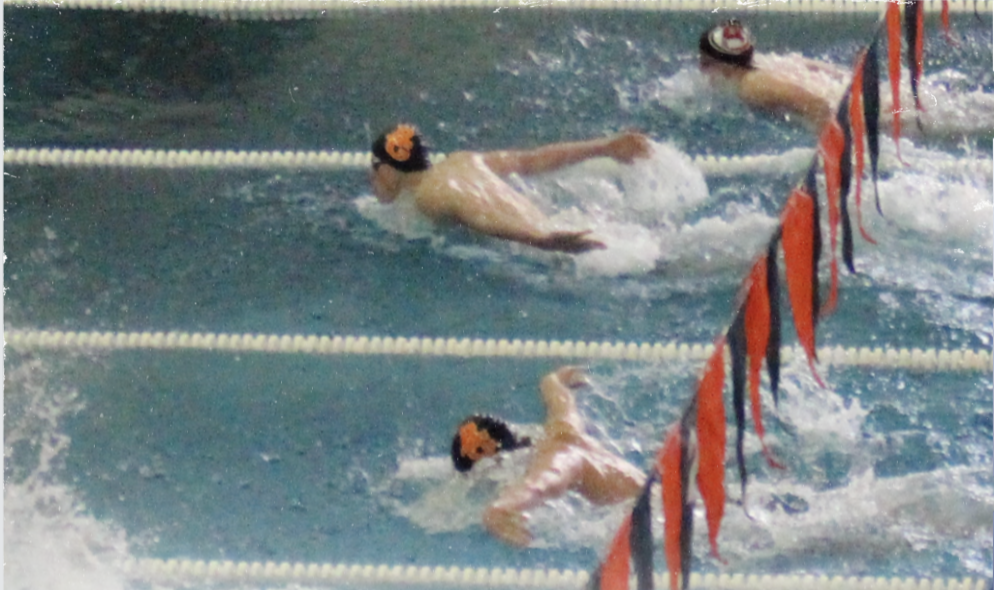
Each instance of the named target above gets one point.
<point>455,160</point>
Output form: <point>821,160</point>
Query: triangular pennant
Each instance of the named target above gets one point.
<point>737,350</point>
<point>674,466</point>
<point>757,336</point>
<point>711,442</point>
<point>893,17</point>
<point>946,31</point>
<point>871,111</point>
<point>613,572</point>
<point>845,178</point>
<point>640,537</point>
<point>811,188</point>
<point>857,123</point>
<point>830,147</point>
<point>800,240</point>
<point>773,288</point>
<point>914,32</point>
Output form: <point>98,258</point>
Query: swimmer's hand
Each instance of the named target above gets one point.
<point>626,147</point>
<point>508,525</point>
<point>571,242</point>
<point>572,377</point>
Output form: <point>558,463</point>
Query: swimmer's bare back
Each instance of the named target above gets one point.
<point>469,188</point>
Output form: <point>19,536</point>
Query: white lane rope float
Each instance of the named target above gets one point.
<point>299,9</point>
<point>181,572</point>
<point>175,571</point>
<point>789,162</point>
<point>296,9</point>
<point>928,359</point>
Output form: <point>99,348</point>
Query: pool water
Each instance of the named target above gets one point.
<point>253,456</point>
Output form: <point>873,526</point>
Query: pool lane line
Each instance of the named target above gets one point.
<point>301,9</point>
<point>789,162</point>
<point>927,359</point>
<point>181,572</point>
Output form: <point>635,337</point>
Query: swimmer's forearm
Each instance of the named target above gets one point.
<point>557,396</point>
<point>548,158</point>
<point>768,93</point>
<point>499,226</point>
<point>525,232</point>
<point>624,147</point>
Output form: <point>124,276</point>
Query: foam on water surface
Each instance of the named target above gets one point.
<point>50,541</point>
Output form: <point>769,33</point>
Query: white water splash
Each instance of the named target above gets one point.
<point>869,517</point>
<point>952,108</point>
<point>50,541</point>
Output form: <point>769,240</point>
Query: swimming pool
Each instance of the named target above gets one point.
<point>222,455</point>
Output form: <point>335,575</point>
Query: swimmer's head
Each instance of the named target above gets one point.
<point>730,42</point>
<point>401,149</point>
<point>482,436</point>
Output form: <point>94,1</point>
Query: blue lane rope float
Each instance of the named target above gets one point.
<point>789,162</point>
<point>317,575</point>
<point>928,359</point>
<point>299,9</point>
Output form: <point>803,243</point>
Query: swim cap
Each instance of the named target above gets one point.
<point>482,436</point>
<point>402,149</point>
<point>729,42</point>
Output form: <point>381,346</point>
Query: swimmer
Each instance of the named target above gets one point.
<point>726,58</point>
<point>469,188</point>
<point>565,459</point>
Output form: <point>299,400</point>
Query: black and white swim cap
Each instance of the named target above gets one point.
<point>730,42</point>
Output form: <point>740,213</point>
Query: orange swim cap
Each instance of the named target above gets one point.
<point>400,142</point>
<point>476,443</point>
<point>482,436</point>
<point>402,149</point>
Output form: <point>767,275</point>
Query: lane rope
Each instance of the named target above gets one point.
<point>789,162</point>
<point>299,9</point>
<point>928,359</point>
<point>177,571</point>
<point>181,571</point>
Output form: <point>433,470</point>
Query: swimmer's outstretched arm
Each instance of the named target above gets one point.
<point>624,148</point>
<point>492,221</point>
<point>766,91</point>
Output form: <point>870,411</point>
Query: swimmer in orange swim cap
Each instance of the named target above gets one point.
<point>469,188</point>
<point>483,436</point>
<point>726,58</point>
<point>565,459</point>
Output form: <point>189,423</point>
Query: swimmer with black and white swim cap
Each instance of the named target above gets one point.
<point>565,459</point>
<point>726,58</point>
<point>469,188</point>
<point>730,42</point>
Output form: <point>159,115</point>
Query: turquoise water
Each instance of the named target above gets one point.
<point>258,457</point>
